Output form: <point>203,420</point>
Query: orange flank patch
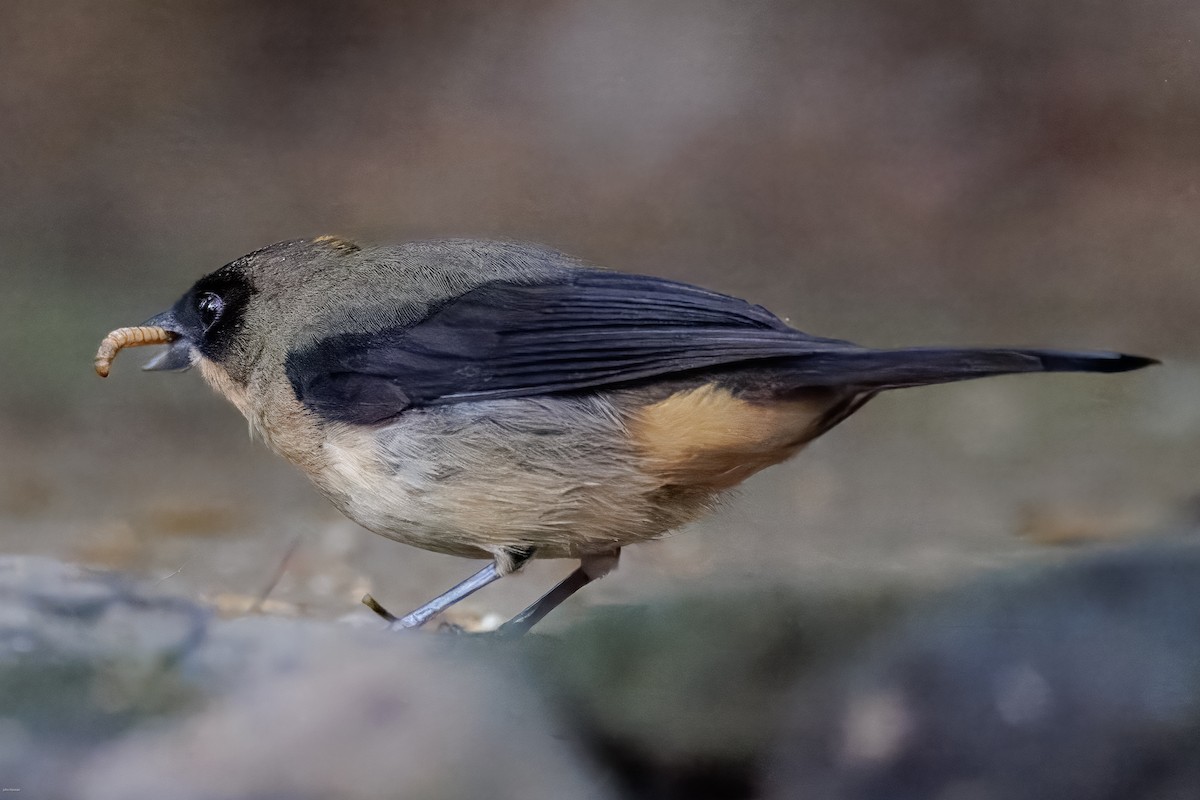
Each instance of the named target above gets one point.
<point>708,438</point>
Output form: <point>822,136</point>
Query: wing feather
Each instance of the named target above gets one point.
<point>586,329</point>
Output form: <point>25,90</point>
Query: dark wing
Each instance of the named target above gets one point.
<point>585,330</point>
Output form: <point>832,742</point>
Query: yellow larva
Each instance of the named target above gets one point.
<point>128,337</point>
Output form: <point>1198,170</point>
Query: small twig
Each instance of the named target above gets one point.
<point>172,575</point>
<point>276,576</point>
<point>373,604</point>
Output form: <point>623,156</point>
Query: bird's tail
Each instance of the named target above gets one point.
<point>877,370</point>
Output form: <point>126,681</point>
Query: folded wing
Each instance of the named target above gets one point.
<point>590,329</point>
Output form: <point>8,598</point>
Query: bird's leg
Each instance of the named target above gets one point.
<point>420,616</point>
<point>590,568</point>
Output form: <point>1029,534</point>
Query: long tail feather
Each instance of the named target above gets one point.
<point>921,366</point>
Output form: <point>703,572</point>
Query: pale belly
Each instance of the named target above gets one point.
<point>475,479</point>
<point>567,477</point>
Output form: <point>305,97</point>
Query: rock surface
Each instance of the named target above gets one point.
<point>1075,680</point>
<point>111,691</point>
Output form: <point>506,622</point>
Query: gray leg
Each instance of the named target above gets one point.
<point>531,616</point>
<point>590,568</point>
<point>443,601</point>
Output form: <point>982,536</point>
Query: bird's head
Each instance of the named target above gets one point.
<point>248,313</point>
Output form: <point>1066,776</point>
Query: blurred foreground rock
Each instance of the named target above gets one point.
<point>684,698</point>
<point>1075,680</point>
<point>1078,681</point>
<point>111,692</point>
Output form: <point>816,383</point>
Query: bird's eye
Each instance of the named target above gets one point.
<point>210,307</point>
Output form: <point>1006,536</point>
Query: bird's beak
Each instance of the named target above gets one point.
<point>181,352</point>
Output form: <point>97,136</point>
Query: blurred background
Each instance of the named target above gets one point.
<point>920,172</point>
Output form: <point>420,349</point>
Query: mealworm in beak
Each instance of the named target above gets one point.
<point>128,337</point>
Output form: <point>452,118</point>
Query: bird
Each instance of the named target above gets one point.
<point>503,401</point>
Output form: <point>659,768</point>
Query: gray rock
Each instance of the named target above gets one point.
<point>1076,681</point>
<point>402,721</point>
<point>684,697</point>
<point>1080,680</point>
<point>108,690</point>
<point>84,657</point>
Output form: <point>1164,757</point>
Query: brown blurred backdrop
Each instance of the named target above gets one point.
<point>917,172</point>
